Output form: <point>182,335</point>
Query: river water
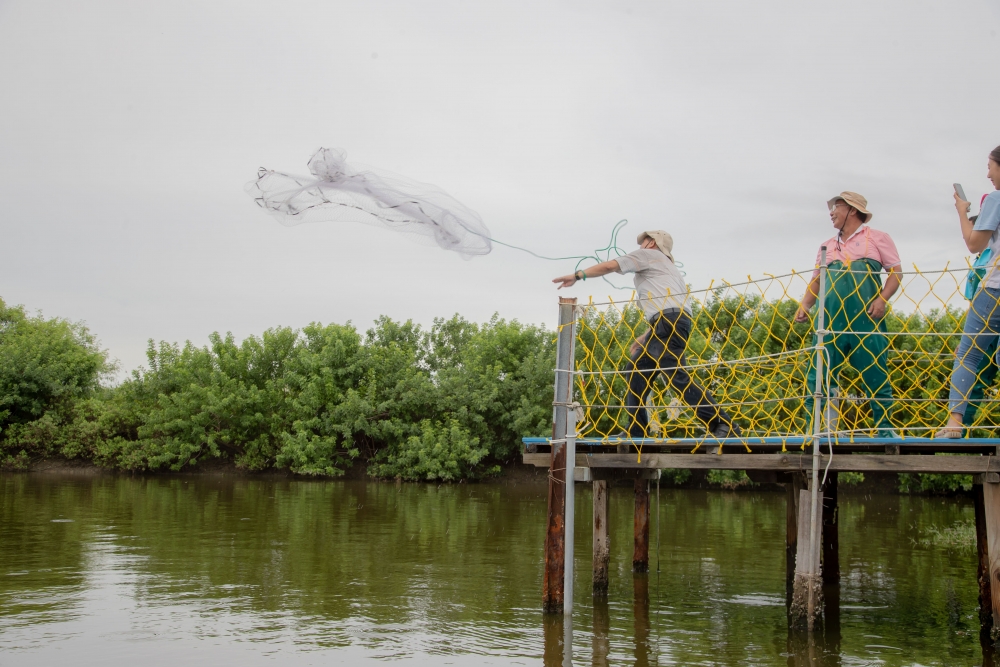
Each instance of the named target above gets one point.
<point>204,570</point>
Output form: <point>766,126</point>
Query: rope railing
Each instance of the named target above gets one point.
<point>884,376</point>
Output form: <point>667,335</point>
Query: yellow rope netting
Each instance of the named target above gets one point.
<point>890,376</point>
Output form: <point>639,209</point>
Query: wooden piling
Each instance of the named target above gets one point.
<point>831,541</point>
<point>799,611</point>
<point>640,555</point>
<point>555,544</point>
<point>602,540</point>
<point>792,489</point>
<point>555,534</point>
<point>987,509</point>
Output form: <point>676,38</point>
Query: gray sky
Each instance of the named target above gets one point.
<point>128,130</point>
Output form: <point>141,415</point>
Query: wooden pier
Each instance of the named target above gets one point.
<point>787,460</point>
<point>601,462</point>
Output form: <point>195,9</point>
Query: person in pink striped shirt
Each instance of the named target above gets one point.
<point>855,304</point>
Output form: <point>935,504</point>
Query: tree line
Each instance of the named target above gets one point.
<point>448,402</point>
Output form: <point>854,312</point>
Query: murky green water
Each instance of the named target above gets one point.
<point>158,571</point>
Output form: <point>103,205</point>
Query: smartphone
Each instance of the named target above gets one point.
<point>959,191</point>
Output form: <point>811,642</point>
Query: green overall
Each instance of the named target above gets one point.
<point>850,289</point>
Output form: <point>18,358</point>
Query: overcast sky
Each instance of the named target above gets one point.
<point>128,130</point>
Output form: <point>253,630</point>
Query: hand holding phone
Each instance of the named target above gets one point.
<point>962,204</point>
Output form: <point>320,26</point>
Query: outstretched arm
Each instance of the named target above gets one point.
<point>596,271</point>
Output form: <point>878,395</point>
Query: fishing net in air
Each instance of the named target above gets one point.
<point>338,192</point>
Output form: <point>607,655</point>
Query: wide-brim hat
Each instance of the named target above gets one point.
<point>855,200</point>
<point>664,241</point>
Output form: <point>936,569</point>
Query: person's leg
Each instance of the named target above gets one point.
<point>985,376</point>
<point>674,331</point>
<point>871,359</point>
<point>640,377</point>
<point>981,325</point>
<point>833,360</point>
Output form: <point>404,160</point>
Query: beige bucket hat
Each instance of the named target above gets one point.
<point>855,200</point>
<point>664,241</point>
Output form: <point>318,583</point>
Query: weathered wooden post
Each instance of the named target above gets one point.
<point>831,541</point>
<point>986,500</point>
<point>640,554</point>
<point>602,539</point>
<point>792,489</point>
<point>555,535</point>
<point>804,588</point>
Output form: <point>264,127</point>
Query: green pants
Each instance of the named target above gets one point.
<point>867,353</point>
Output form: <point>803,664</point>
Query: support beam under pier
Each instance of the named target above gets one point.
<point>602,540</point>
<point>986,499</point>
<point>803,580</point>
<point>831,540</point>
<point>640,555</point>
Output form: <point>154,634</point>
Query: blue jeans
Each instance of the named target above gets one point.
<point>982,326</point>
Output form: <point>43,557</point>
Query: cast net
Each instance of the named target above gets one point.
<point>339,192</point>
<point>746,349</point>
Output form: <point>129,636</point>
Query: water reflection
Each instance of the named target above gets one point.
<point>601,642</point>
<point>120,569</point>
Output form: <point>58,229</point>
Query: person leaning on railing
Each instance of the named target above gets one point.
<point>855,304</point>
<point>982,323</point>
<point>662,295</point>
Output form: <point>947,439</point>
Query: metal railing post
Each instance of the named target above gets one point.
<point>553,580</point>
<point>817,413</point>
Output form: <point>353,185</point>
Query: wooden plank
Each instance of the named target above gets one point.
<point>969,465</point>
<point>991,506</point>
<point>640,554</point>
<point>602,538</point>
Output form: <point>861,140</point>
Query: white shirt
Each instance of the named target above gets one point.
<point>659,284</point>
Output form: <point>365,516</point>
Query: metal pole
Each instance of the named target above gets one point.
<point>570,507</point>
<point>570,524</point>
<point>817,413</point>
<point>555,536</point>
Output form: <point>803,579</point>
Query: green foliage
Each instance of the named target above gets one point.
<point>447,403</point>
<point>47,368</point>
<point>445,452</point>
<point>675,476</point>
<point>934,483</point>
<point>729,479</point>
<point>850,478</point>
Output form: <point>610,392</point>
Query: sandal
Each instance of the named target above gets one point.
<point>949,432</point>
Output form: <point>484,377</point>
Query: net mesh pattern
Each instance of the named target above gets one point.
<point>746,349</point>
<point>339,192</point>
